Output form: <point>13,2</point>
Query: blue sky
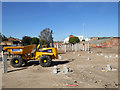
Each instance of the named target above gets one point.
<point>64,18</point>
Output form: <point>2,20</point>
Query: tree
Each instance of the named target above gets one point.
<point>26,40</point>
<point>74,40</point>
<point>35,40</point>
<point>3,37</point>
<point>45,36</point>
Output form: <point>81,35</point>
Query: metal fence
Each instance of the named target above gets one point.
<point>73,47</point>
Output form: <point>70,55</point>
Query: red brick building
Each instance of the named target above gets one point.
<point>13,39</point>
<point>115,41</point>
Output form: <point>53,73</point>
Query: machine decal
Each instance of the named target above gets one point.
<point>16,50</point>
<point>49,51</point>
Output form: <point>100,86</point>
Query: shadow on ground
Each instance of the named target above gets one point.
<point>54,63</point>
<point>30,63</point>
<point>17,70</point>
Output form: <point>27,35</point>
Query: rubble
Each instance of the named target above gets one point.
<point>89,58</point>
<point>109,68</point>
<point>75,81</point>
<point>116,56</point>
<point>101,54</point>
<point>55,70</point>
<point>36,68</point>
<point>106,56</point>
<point>114,69</point>
<point>93,66</point>
<point>110,56</point>
<point>70,70</point>
<point>59,56</point>
<point>65,69</point>
<point>90,72</point>
<point>73,52</point>
<point>95,81</point>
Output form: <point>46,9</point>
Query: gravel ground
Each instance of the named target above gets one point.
<point>85,71</point>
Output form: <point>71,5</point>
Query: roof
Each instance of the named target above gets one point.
<point>97,41</point>
<point>13,39</point>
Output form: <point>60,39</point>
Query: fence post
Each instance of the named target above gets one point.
<point>57,46</point>
<point>5,66</point>
<point>76,47</point>
<point>83,46</point>
<point>65,47</point>
<point>88,46</point>
<point>72,47</point>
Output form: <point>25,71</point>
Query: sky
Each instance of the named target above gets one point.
<point>90,19</point>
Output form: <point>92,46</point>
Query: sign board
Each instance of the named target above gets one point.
<point>16,50</point>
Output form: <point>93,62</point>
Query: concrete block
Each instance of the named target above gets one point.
<point>55,70</point>
<point>116,56</point>
<point>59,56</point>
<point>109,68</point>
<point>73,52</point>
<point>65,69</point>
<point>110,56</point>
<point>97,54</point>
<point>106,56</point>
<point>89,58</point>
<point>101,54</point>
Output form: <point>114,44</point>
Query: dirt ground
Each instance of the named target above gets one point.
<point>84,74</point>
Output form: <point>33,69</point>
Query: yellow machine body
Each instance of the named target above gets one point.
<point>26,52</point>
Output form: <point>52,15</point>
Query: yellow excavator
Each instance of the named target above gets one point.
<point>22,54</point>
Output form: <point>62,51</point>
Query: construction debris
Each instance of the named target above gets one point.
<point>110,56</point>
<point>75,81</point>
<point>93,66</point>
<point>96,81</point>
<point>55,70</point>
<point>36,68</point>
<point>114,69</point>
<point>109,68</point>
<point>65,69</point>
<point>90,72</point>
<point>73,52</point>
<point>106,56</point>
<point>116,56</point>
<point>59,56</point>
<point>70,70</point>
<point>101,53</point>
<point>89,58</point>
<point>79,55</point>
